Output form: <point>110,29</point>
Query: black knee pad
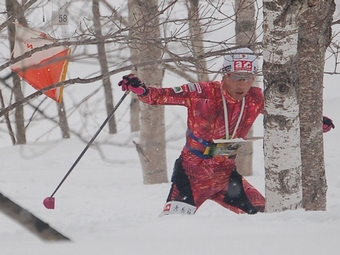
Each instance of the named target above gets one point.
<point>236,196</point>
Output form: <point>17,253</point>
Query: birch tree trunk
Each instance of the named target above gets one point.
<point>196,38</point>
<point>134,104</point>
<point>283,189</point>
<point>316,20</point>
<point>152,133</point>
<point>245,34</point>
<point>13,7</point>
<point>104,66</point>
<point>245,22</point>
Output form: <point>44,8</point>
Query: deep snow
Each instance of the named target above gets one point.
<point>104,207</point>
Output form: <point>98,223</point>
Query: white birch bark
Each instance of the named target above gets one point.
<point>152,146</point>
<point>281,116</point>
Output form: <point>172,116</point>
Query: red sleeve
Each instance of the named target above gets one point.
<point>180,95</point>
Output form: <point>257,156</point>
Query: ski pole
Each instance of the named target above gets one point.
<point>49,202</point>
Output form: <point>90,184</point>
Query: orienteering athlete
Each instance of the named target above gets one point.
<point>216,110</point>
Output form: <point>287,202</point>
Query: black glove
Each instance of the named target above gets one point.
<point>132,83</point>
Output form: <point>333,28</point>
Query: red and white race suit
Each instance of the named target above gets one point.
<point>207,177</point>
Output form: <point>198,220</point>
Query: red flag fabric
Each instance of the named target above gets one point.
<point>43,68</point>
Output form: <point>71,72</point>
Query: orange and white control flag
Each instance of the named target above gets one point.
<point>43,68</point>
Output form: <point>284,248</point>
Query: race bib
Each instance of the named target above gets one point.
<point>174,207</point>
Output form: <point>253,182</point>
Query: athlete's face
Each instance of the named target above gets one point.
<point>238,84</point>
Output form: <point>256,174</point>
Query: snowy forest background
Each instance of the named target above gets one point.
<point>104,205</point>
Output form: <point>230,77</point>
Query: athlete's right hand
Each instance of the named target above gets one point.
<point>132,83</point>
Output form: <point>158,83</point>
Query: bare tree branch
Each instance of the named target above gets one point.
<point>12,18</point>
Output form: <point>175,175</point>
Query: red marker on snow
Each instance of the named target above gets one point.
<point>49,202</point>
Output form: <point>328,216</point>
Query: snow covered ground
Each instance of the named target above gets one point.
<point>104,207</point>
